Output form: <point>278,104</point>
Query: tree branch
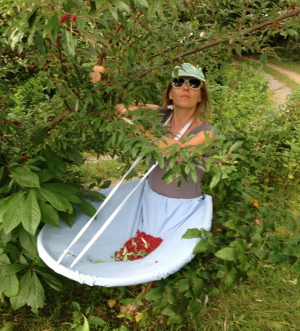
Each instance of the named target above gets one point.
<point>60,117</point>
<point>210,44</point>
<point>220,41</point>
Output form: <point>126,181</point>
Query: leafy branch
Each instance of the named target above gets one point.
<point>220,41</point>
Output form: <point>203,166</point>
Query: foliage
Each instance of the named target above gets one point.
<point>51,113</point>
<point>247,212</point>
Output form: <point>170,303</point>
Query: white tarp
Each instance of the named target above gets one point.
<point>145,210</point>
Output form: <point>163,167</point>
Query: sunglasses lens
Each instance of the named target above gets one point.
<point>194,83</point>
<point>178,82</point>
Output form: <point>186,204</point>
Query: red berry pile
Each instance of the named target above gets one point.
<point>138,247</point>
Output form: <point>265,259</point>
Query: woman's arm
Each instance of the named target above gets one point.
<point>199,139</point>
<point>121,108</point>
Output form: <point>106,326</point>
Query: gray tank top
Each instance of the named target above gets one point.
<point>188,189</point>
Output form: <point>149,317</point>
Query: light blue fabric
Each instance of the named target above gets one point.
<point>168,218</point>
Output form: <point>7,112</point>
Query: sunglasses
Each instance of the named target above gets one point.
<point>193,83</point>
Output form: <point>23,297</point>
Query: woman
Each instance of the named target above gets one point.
<point>148,204</point>
<point>166,206</point>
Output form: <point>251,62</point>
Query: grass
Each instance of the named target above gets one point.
<point>96,171</point>
<point>270,302</point>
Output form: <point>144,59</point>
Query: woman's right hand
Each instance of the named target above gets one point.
<point>121,108</point>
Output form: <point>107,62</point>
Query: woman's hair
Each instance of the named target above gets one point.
<point>202,109</point>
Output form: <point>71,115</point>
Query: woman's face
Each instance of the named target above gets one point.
<point>185,97</point>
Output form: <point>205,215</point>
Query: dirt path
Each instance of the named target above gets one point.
<point>291,74</point>
<point>279,91</point>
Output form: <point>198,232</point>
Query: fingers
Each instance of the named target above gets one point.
<point>96,73</point>
<point>121,108</point>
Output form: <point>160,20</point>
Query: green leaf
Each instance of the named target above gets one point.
<point>168,311</point>
<point>74,155</point>
<point>114,13</point>
<point>48,214</point>
<point>45,175</point>
<point>142,2</point>
<point>230,280</point>
<point>235,146</point>
<point>95,320</point>
<point>28,242</point>
<point>215,180</point>
<point>36,295</point>
<point>32,213</point>
<point>52,22</point>
<point>197,286</point>
<point>154,294</point>
<point>85,326</point>
<point>61,188</point>
<point>11,269</point>
<point>21,298</point>
<point>121,5</point>
<point>56,200</point>
<point>5,204</point>
<point>68,42</point>
<point>296,266</point>
<point>1,173</point>
<point>86,208</point>
<point>55,163</point>
<point>227,254</point>
<point>182,285</point>
<point>192,233</point>
<point>25,177</point>
<point>9,285</point>
<point>52,281</point>
<point>194,308</point>
<point>201,246</point>
<point>93,195</point>
<point>32,17</point>
<point>14,214</point>
<point>69,219</point>
<point>9,326</point>
<point>39,135</point>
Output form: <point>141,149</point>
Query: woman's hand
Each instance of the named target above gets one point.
<point>96,74</point>
<point>121,108</point>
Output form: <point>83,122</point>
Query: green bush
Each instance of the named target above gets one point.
<point>51,113</point>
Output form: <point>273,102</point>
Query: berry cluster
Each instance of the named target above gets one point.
<point>138,247</point>
<point>17,123</point>
<point>67,17</point>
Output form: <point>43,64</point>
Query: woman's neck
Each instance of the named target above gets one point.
<point>180,119</point>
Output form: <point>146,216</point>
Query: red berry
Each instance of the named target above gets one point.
<point>62,20</point>
<point>17,123</point>
<point>74,18</point>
